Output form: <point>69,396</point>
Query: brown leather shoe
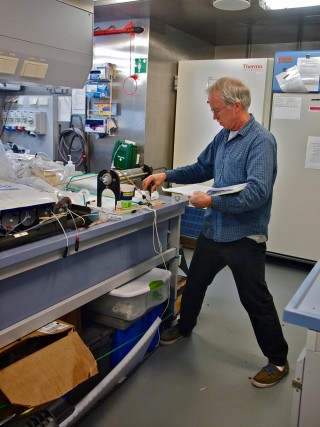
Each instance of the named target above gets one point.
<point>270,375</point>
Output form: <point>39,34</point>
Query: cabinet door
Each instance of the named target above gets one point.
<point>309,405</point>
<point>294,226</point>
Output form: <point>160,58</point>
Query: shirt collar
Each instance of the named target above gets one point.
<point>244,128</point>
<point>248,124</point>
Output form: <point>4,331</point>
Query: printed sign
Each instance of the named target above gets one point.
<point>140,65</point>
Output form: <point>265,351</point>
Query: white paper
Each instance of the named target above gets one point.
<point>220,191</point>
<point>309,69</point>
<point>78,101</point>
<point>313,153</point>
<point>188,190</point>
<point>43,100</point>
<point>64,108</point>
<point>287,107</point>
<point>290,80</point>
<point>33,100</point>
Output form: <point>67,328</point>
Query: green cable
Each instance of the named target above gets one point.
<point>4,405</point>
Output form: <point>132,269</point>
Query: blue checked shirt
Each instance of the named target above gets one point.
<point>251,157</point>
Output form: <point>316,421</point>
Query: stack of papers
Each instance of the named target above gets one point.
<point>188,190</point>
<point>226,190</point>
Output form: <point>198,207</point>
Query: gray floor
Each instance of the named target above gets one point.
<point>204,380</point>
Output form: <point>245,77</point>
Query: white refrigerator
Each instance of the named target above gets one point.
<point>294,229</point>
<point>195,127</point>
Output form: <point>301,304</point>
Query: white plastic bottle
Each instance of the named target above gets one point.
<point>70,167</point>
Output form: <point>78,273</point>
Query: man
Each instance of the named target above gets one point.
<point>235,226</point>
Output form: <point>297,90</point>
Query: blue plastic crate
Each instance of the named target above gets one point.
<point>191,222</point>
<point>125,340</point>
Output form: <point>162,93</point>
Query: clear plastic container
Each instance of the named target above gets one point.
<point>135,298</point>
<point>70,167</point>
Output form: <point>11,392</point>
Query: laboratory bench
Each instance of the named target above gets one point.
<point>39,285</point>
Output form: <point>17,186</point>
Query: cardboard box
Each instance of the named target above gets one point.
<point>50,370</point>
<point>73,318</point>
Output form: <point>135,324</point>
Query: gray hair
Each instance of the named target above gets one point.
<point>232,90</point>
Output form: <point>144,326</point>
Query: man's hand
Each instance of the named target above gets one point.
<point>154,180</point>
<point>199,199</point>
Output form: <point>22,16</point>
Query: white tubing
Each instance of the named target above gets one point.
<point>117,374</point>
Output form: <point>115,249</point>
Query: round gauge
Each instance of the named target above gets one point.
<point>9,221</point>
<point>28,218</point>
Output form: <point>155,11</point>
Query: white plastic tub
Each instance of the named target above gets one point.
<point>135,298</point>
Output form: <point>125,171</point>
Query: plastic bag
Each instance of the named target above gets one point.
<point>50,171</point>
<point>39,184</point>
<point>6,171</point>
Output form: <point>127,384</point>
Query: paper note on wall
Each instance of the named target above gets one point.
<point>64,108</point>
<point>78,101</point>
<point>313,153</point>
<point>287,107</point>
<point>302,78</point>
<point>309,69</point>
<point>290,81</point>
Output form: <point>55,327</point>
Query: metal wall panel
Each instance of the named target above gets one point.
<point>61,40</point>
<point>121,50</point>
<point>146,117</point>
<point>167,47</point>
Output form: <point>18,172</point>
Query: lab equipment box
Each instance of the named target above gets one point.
<point>133,299</point>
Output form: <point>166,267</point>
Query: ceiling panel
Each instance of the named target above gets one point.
<point>200,19</point>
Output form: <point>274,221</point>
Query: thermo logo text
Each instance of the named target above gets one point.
<point>252,67</point>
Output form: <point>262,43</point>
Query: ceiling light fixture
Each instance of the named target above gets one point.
<point>287,4</point>
<point>231,4</point>
<point>108,2</point>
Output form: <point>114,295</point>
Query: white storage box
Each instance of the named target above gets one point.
<point>133,299</point>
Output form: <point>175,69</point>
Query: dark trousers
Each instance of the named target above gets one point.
<point>246,259</point>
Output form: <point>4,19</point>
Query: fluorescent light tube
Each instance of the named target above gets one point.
<point>287,4</point>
